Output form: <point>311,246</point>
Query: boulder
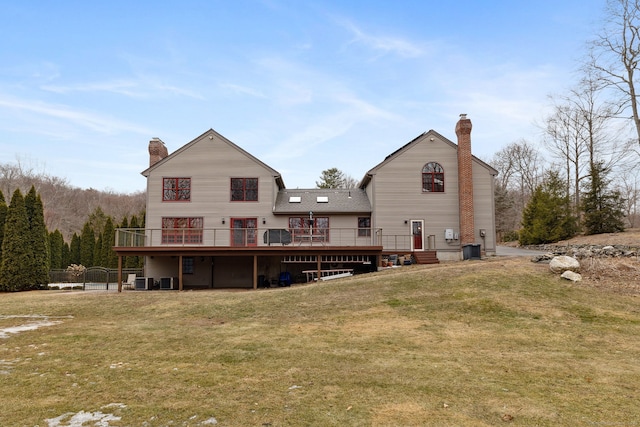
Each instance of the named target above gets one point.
<point>544,258</point>
<point>570,275</point>
<point>562,263</point>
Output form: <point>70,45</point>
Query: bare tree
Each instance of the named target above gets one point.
<point>564,136</point>
<point>67,208</point>
<point>614,56</point>
<point>579,132</point>
<point>629,187</point>
<point>520,167</point>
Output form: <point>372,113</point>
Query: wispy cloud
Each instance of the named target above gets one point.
<point>94,122</point>
<point>243,90</point>
<point>383,44</point>
<point>122,87</point>
<point>142,87</point>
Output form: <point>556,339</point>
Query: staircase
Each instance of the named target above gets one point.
<point>426,257</point>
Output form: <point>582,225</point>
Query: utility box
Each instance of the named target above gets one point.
<point>144,283</point>
<point>448,234</point>
<point>169,283</point>
<point>471,251</point>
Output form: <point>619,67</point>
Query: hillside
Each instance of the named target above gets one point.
<point>66,207</point>
<point>629,237</point>
<point>612,274</point>
<point>480,343</point>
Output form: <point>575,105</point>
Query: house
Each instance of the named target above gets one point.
<point>218,217</point>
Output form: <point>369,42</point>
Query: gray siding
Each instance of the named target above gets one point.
<point>396,196</point>
<point>399,195</point>
<point>210,163</point>
<point>484,206</point>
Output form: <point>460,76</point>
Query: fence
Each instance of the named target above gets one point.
<point>92,278</point>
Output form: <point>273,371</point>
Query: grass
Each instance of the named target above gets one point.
<point>475,343</point>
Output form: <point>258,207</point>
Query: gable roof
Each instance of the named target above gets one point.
<point>213,134</point>
<point>431,134</point>
<point>332,200</point>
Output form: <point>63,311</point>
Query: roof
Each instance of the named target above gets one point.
<point>333,200</point>
<point>213,134</point>
<point>432,134</point>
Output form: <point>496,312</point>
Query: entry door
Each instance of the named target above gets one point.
<point>243,231</point>
<point>417,234</point>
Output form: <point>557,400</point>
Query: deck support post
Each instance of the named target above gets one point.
<point>319,260</point>
<point>119,273</point>
<point>180,284</point>
<point>255,272</point>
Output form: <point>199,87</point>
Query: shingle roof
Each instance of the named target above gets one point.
<point>337,201</point>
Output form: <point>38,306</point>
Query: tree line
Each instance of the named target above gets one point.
<point>28,251</point>
<point>588,179</point>
<point>66,207</point>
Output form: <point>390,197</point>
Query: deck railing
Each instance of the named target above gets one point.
<point>249,237</point>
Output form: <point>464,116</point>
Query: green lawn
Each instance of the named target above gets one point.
<point>475,343</point>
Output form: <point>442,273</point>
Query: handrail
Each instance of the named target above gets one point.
<point>248,237</point>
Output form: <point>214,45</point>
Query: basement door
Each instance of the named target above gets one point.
<point>417,235</point>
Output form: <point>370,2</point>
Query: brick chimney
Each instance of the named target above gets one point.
<point>157,151</point>
<point>465,181</point>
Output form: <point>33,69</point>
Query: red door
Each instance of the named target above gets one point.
<point>243,231</point>
<point>416,230</point>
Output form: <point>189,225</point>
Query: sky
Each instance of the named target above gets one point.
<point>302,85</point>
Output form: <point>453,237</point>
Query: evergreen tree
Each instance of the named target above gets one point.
<point>97,252</point>
<point>331,178</point>
<point>109,257</point>
<point>603,208</point>
<point>547,218</point>
<point>97,220</point>
<point>133,261</point>
<point>14,274</point>
<point>37,239</point>
<point>87,245</point>
<point>74,250</point>
<point>122,240</point>
<point>3,218</point>
<point>56,245</point>
<point>66,255</point>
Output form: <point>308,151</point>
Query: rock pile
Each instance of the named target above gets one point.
<point>584,251</point>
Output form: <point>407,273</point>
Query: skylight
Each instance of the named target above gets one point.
<point>322,199</point>
<point>295,199</point>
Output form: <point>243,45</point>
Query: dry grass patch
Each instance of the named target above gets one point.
<point>474,343</point>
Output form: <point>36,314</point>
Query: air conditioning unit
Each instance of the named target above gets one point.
<point>144,283</point>
<point>168,283</point>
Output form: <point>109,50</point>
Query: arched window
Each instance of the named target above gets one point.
<point>432,178</point>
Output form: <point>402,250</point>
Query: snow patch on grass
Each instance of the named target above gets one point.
<point>33,322</point>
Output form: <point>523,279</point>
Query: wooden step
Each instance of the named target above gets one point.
<point>426,257</point>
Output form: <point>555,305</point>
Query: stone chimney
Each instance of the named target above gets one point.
<point>465,181</point>
<point>157,151</point>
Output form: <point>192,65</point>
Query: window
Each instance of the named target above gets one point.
<point>188,264</point>
<point>302,229</point>
<point>432,178</point>
<point>244,189</point>
<point>244,231</point>
<point>364,226</point>
<point>181,230</point>
<point>176,189</point>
